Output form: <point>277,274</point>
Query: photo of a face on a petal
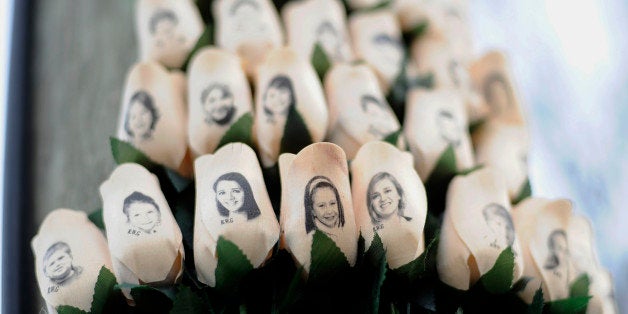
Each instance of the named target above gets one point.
<point>323,208</point>
<point>385,199</point>
<point>218,106</point>
<point>500,226</point>
<point>142,212</point>
<point>448,128</point>
<point>498,93</point>
<point>58,264</point>
<point>234,197</point>
<point>163,27</point>
<point>141,117</point>
<point>557,260</point>
<point>381,121</point>
<point>279,98</point>
<point>330,39</point>
<point>245,17</point>
<point>389,48</point>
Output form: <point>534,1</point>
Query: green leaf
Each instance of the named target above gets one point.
<point>393,138</point>
<point>150,300</point>
<point>422,81</point>
<point>320,61</point>
<point>179,182</point>
<point>294,291</point>
<point>240,131</point>
<point>295,135</point>
<point>580,286</point>
<point>205,40</point>
<point>521,284</point>
<point>124,152</point>
<point>373,274</point>
<point>416,32</point>
<point>446,165</point>
<point>327,259</point>
<point>469,170</point>
<point>232,266</point>
<point>186,301</point>
<point>525,192</point>
<point>437,183</point>
<point>67,309</point>
<point>536,307</point>
<point>421,265</point>
<point>103,289</point>
<point>96,218</point>
<point>498,280</point>
<point>569,305</point>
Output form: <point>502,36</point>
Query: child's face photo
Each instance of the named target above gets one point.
<point>143,216</point>
<point>325,207</point>
<point>278,99</point>
<point>139,119</point>
<point>58,265</point>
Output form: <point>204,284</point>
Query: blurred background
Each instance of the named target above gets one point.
<point>569,59</point>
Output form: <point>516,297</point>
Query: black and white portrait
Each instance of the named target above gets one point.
<point>385,199</point>
<point>456,73</point>
<point>448,128</point>
<point>246,18</point>
<point>279,98</point>
<point>163,27</point>
<point>142,213</point>
<point>381,121</point>
<point>323,208</point>
<point>58,264</point>
<point>218,106</point>
<point>390,49</point>
<point>330,40</point>
<point>141,117</point>
<point>500,225</point>
<point>234,198</point>
<point>558,254</point>
<point>497,92</point>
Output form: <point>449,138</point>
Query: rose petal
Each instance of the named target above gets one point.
<point>219,95</point>
<point>318,167</point>
<point>144,238</point>
<point>309,22</point>
<point>232,202</point>
<point>359,112</point>
<point>383,178</point>
<point>153,116</point>
<point>250,29</point>
<point>69,252</point>
<point>167,30</point>
<point>286,82</point>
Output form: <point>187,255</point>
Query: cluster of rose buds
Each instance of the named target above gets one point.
<point>260,68</point>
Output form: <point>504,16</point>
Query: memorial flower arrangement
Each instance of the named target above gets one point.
<point>318,156</point>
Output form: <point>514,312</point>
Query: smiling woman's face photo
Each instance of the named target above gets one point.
<point>163,26</point>
<point>385,198</point>
<point>218,105</point>
<point>140,118</point>
<point>230,195</point>
<point>325,206</point>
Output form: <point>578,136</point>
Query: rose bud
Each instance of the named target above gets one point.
<point>311,22</point>
<point>219,95</point>
<point>504,146</point>
<point>153,115</point>
<point>542,228</point>
<point>585,260</point>
<point>389,199</point>
<point>250,29</point>
<point>69,252</point>
<point>316,195</point>
<point>287,87</point>
<point>167,30</point>
<point>477,228</point>
<point>231,202</point>
<point>377,40</point>
<point>144,238</point>
<point>359,112</point>
<point>434,121</point>
<point>491,76</point>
